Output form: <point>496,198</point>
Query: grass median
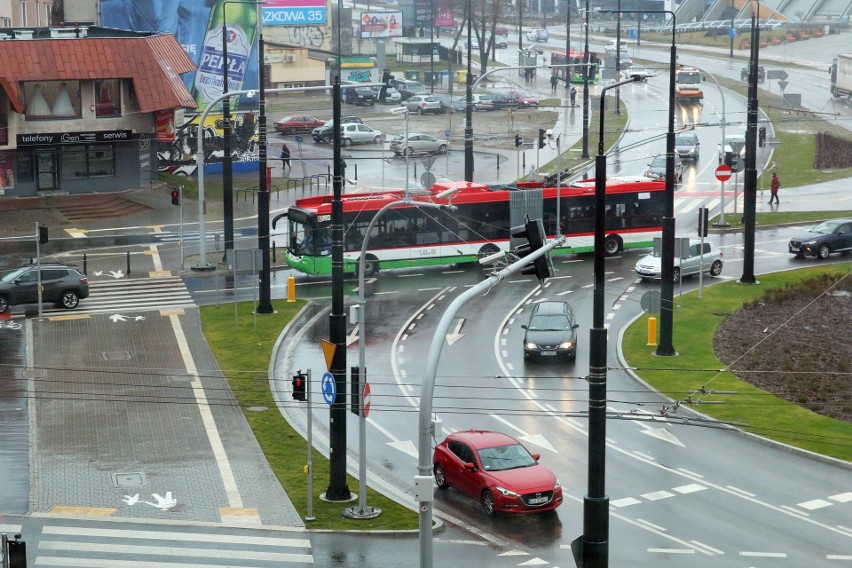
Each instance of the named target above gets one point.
<point>696,374</point>
<point>243,350</point>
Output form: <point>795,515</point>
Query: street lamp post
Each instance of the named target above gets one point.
<point>264,305</point>
<point>468,115</point>
<point>594,549</point>
<point>587,61</point>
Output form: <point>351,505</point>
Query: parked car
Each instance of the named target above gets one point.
<point>418,144</point>
<point>392,96</point>
<point>422,104</point>
<point>482,101</point>
<point>359,96</point>
<point>62,284</point>
<point>360,134</point>
<point>833,235</point>
<point>324,134</point>
<point>297,123</point>
<point>551,331</point>
<point>687,146</point>
<point>650,267</point>
<point>524,99</point>
<point>638,72</point>
<point>496,470</point>
<point>538,34</point>
<point>657,168</point>
<point>452,104</point>
<point>761,73</point>
<point>503,100</point>
<point>408,88</point>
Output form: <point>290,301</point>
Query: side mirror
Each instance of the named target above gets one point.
<point>470,466</point>
<point>536,457</point>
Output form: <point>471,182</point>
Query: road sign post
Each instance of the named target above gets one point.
<point>363,511</point>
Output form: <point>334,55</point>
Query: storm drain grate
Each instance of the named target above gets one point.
<point>133,479</point>
<point>116,355</point>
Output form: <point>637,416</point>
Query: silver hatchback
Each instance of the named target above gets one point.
<point>422,104</point>
<point>710,261</point>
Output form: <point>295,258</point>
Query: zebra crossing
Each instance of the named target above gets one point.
<point>133,294</point>
<point>62,546</point>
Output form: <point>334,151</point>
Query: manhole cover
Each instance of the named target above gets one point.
<point>116,355</point>
<point>134,479</point>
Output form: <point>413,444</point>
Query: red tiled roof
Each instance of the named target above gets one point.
<point>154,64</point>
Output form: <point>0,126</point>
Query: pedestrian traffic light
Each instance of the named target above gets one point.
<point>42,235</point>
<point>175,197</point>
<point>533,233</point>
<point>518,141</point>
<point>300,383</point>
<point>541,134</point>
<point>386,79</point>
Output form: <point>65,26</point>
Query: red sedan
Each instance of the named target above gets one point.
<point>298,123</point>
<point>498,471</point>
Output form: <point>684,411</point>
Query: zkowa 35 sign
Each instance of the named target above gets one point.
<point>294,12</point>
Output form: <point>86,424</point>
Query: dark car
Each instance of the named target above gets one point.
<point>62,284</point>
<point>359,96</point>
<point>325,134</point>
<point>503,100</point>
<point>657,168</point>
<point>761,73</point>
<point>551,331</point>
<point>833,235</point>
<point>297,123</point>
<point>496,470</point>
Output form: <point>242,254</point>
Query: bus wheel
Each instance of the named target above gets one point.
<point>371,265</point>
<point>612,245</point>
<point>487,250</point>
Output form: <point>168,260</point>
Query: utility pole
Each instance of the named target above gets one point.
<point>587,61</point>
<point>468,116</point>
<point>227,162</point>
<point>264,305</point>
<point>750,178</point>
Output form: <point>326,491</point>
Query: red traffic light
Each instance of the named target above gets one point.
<point>175,197</point>
<point>300,386</point>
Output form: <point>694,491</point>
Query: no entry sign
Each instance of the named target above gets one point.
<point>724,172</point>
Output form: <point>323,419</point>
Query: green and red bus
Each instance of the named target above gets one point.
<point>575,74</point>
<point>478,223</point>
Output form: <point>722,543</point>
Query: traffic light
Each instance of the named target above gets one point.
<point>386,79</point>
<point>518,141</point>
<point>541,134</point>
<point>533,233</point>
<point>732,159</point>
<point>42,235</point>
<point>761,136</point>
<point>300,383</point>
<point>175,197</point>
<point>355,400</point>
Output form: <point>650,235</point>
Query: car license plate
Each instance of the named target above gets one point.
<point>546,353</point>
<point>537,500</point>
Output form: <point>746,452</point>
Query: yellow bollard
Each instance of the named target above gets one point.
<point>291,289</point>
<point>652,331</point>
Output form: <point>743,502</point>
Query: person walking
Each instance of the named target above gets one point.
<point>553,82</point>
<point>285,157</point>
<point>774,186</point>
<point>573,95</point>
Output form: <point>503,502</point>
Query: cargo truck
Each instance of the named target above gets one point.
<point>688,85</point>
<point>841,76</point>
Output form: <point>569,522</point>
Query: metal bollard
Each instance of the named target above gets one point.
<point>356,172</point>
<point>128,262</point>
<point>273,252</point>
<point>85,264</point>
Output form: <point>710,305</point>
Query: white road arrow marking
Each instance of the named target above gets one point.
<point>131,500</point>
<point>139,318</point>
<point>405,446</point>
<point>454,336</point>
<point>353,337</point>
<point>116,273</point>
<point>162,503</point>
<point>117,317</point>
<point>662,434</point>
<point>535,439</point>
<point>98,272</point>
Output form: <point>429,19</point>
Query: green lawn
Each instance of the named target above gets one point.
<point>696,367</point>
<point>243,351</point>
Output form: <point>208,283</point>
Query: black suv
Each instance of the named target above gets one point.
<point>359,96</point>
<point>62,284</point>
<point>761,73</point>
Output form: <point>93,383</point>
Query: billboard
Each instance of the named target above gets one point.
<point>198,27</point>
<point>381,24</point>
<point>294,12</point>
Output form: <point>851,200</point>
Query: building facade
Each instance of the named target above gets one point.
<point>82,108</point>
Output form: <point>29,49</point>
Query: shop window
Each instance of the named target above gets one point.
<point>88,161</point>
<point>52,100</point>
<point>4,128</point>
<point>107,98</point>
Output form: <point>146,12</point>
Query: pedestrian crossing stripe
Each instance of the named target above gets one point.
<point>132,294</point>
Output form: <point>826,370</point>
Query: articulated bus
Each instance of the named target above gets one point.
<point>575,74</point>
<point>477,224</point>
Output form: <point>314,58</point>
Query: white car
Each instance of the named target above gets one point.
<point>392,96</point>
<point>360,134</point>
<point>482,101</point>
<point>640,73</point>
<point>418,144</point>
<point>539,34</point>
<point>650,267</point>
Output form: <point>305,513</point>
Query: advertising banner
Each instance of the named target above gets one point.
<point>294,12</point>
<point>381,24</point>
<point>445,17</point>
<point>165,125</point>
